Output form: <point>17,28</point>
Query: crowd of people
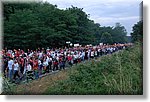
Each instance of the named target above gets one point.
<point>32,64</point>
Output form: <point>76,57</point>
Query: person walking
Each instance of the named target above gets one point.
<point>16,70</point>
<point>35,67</point>
<point>10,68</point>
<point>29,72</point>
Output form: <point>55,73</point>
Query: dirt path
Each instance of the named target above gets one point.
<point>39,86</point>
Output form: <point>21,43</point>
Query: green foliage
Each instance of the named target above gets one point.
<point>120,73</point>
<point>119,33</point>
<point>106,38</point>
<point>44,25</point>
<point>7,87</point>
<point>137,34</point>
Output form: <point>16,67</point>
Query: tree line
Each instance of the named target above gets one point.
<point>137,32</point>
<point>42,24</point>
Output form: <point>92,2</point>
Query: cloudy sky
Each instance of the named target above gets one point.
<point>106,12</point>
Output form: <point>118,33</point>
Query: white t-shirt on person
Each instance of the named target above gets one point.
<point>45,63</point>
<point>29,68</point>
<point>92,53</point>
<point>39,62</point>
<point>10,63</point>
<point>16,66</point>
<point>47,59</point>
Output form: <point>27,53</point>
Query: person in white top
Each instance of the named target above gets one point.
<point>83,55</point>
<point>29,72</point>
<point>10,68</point>
<point>92,54</point>
<point>75,58</point>
<point>89,51</point>
<point>10,64</point>
<point>49,61</point>
<point>40,55</point>
<point>29,68</point>
<point>45,65</point>
<point>16,70</point>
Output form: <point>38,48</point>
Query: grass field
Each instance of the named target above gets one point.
<point>120,73</point>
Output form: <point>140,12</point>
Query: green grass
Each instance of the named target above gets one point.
<point>120,73</point>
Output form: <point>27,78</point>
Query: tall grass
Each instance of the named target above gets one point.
<point>120,73</point>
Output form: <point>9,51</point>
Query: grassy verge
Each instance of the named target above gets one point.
<point>120,73</point>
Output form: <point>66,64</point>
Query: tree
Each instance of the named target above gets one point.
<point>106,38</point>
<point>44,25</point>
<point>82,33</point>
<point>119,34</point>
<point>137,32</point>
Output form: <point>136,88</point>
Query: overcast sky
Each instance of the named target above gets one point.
<point>106,12</point>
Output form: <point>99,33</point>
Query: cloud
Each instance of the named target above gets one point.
<point>110,20</point>
<point>87,3</point>
<point>127,22</point>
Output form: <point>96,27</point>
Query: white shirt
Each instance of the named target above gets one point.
<point>92,53</point>
<point>57,58</point>
<point>50,59</point>
<point>96,53</point>
<point>47,59</point>
<point>83,54</point>
<point>111,49</point>
<point>75,56</point>
<point>10,63</point>
<point>29,68</point>
<point>31,54</point>
<point>89,53</point>
<point>114,49</point>
<point>65,53</point>
<point>16,66</point>
<point>40,55</point>
<point>39,62</point>
<point>45,63</point>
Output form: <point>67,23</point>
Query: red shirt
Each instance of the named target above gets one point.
<point>35,64</point>
<point>8,54</point>
<point>17,54</point>
<point>69,58</point>
<point>22,61</point>
<point>55,63</point>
